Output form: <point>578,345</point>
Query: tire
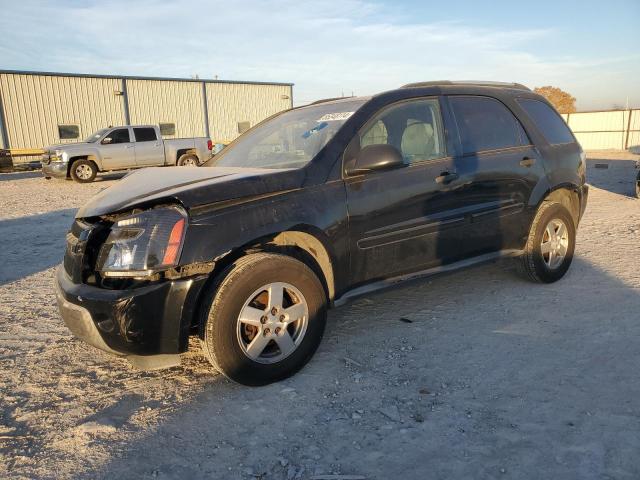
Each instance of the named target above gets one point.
<point>83,171</point>
<point>547,267</point>
<point>638,188</point>
<point>188,160</point>
<point>229,343</point>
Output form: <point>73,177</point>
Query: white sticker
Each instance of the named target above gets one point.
<point>332,117</point>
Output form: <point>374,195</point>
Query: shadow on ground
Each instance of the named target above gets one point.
<point>487,376</point>
<point>32,244</point>
<point>617,176</point>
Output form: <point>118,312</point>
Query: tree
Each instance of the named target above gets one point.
<point>560,99</point>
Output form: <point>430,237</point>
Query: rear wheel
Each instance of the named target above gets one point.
<point>550,245</point>
<point>266,319</point>
<point>188,160</point>
<point>83,171</point>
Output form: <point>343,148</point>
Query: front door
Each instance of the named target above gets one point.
<point>413,217</point>
<point>149,148</point>
<point>117,150</point>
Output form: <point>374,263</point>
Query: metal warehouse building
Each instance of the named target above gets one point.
<point>42,108</point>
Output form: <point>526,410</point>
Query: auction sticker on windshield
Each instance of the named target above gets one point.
<point>335,116</point>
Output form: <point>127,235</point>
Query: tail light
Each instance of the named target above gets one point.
<point>209,144</point>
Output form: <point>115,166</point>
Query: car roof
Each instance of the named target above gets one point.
<point>437,87</point>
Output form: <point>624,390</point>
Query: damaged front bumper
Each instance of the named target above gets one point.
<point>56,169</point>
<point>149,325</point>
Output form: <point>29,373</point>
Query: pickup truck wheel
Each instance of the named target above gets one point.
<point>188,160</point>
<point>550,245</point>
<point>83,171</point>
<point>266,319</point>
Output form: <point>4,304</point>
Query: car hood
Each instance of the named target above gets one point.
<point>189,186</point>
<point>66,146</point>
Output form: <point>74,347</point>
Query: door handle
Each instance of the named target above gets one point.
<point>128,146</point>
<point>446,177</point>
<point>527,162</point>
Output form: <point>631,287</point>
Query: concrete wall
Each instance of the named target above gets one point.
<point>33,105</point>
<point>606,130</point>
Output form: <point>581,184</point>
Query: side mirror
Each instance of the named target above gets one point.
<point>376,157</point>
<point>106,140</point>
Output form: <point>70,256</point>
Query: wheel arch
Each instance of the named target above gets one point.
<point>185,151</point>
<point>301,243</point>
<point>566,195</point>
<point>91,158</point>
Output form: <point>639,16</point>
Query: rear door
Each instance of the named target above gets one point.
<point>413,217</point>
<point>117,150</point>
<point>502,166</point>
<point>149,148</point>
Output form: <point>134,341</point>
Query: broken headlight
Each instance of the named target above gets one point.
<point>143,243</point>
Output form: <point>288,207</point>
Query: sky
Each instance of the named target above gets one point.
<point>331,48</point>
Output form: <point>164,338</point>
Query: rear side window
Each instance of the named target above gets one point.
<point>552,126</point>
<point>486,124</point>
<point>145,134</point>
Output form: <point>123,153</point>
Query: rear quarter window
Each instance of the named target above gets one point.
<point>549,122</point>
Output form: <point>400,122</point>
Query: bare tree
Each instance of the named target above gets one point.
<point>560,99</point>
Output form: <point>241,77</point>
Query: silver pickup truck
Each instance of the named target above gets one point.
<point>122,148</point>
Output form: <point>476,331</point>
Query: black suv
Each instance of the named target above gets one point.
<point>314,206</point>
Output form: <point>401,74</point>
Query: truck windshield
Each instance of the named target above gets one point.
<point>94,137</point>
<point>289,140</point>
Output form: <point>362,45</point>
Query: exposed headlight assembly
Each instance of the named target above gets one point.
<point>144,243</point>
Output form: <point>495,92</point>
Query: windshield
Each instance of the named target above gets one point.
<point>290,140</point>
<point>94,137</point>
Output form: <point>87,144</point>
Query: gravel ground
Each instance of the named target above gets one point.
<point>475,374</point>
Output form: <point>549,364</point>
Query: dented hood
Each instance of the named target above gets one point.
<point>189,186</point>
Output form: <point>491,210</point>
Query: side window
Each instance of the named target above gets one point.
<point>486,124</point>
<point>375,135</point>
<point>553,127</point>
<point>145,134</point>
<point>414,128</point>
<point>121,135</point>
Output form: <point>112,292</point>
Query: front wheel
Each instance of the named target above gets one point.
<point>83,171</point>
<point>266,319</point>
<point>550,245</point>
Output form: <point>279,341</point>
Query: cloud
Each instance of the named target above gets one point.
<point>325,48</point>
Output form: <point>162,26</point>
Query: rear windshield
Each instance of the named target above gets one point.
<point>289,140</point>
<point>548,121</point>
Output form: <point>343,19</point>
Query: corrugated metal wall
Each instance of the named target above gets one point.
<point>34,106</point>
<point>229,104</point>
<point>160,101</point>
<point>605,130</point>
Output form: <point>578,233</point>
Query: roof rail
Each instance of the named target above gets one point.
<point>324,100</point>
<point>518,86</point>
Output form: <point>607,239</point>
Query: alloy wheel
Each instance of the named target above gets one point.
<point>555,243</point>
<point>84,172</point>
<point>272,323</point>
